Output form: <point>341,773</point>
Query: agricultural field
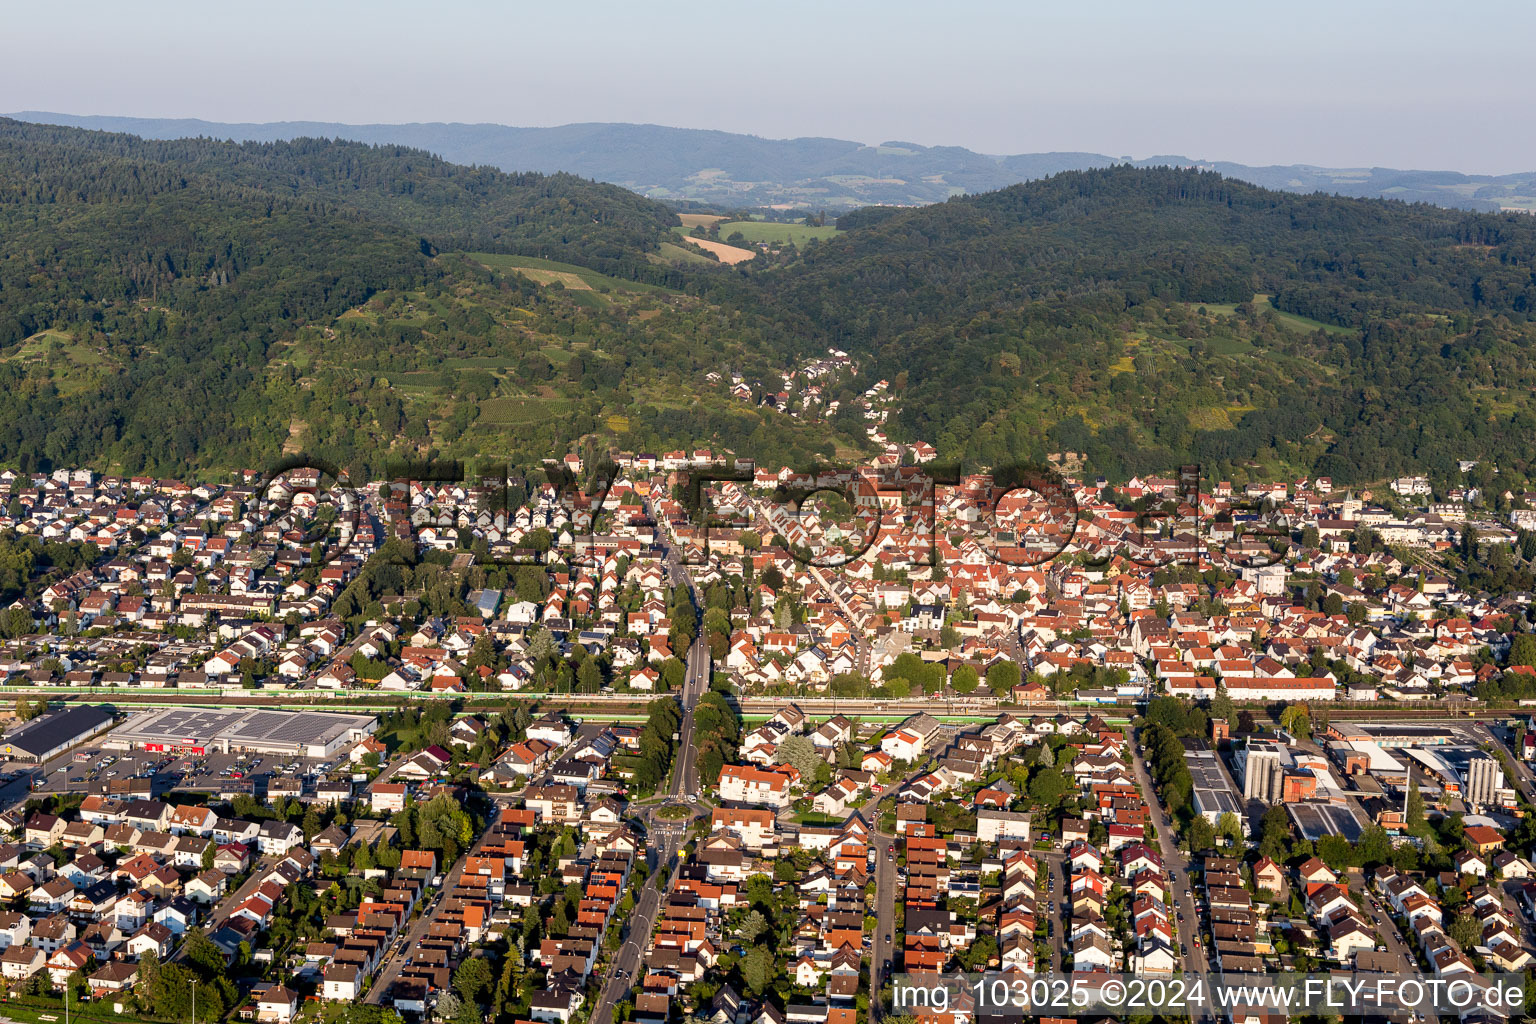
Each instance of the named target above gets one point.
<point>568,275</point>
<point>45,343</point>
<point>1288,320</point>
<point>772,233</point>
<point>699,220</point>
<point>514,409</point>
<point>730,255</point>
<point>672,253</point>
<point>72,364</point>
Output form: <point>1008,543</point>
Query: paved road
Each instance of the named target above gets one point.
<point>1387,929</point>
<point>685,778</point>
<point>622,972</point>
<point>695,684</point>
<point>394,964</point>
<point>626,963</point>
<point>222,909</point>
<point>1191,956</point>
<point>886,895</point>
<point>887,889</point>
<point>1057,879</point>
<point>1525,781</point>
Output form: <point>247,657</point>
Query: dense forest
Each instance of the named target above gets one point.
<point>171,306</point>
<point>1151,317</point>
<point>174,306</point>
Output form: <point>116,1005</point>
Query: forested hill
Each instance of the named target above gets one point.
<point>1173,234</point>
<point>555,216</point>
<point>736,170</point>
<point>145,286</point>
<point>180,305</point>
<point>1158,316</point>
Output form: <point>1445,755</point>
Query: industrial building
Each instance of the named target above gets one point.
<point>1315,819</point>
<point>54,733</point>
<point>1484,778</point>
<point>202,730</point>
<point>1212,790</point>
<point>1262,766</point>
<point>1393,734</point>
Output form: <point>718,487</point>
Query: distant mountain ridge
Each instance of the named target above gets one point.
<point>732,170</point>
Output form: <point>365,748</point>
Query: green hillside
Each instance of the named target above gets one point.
<point>177,306</point>
<point>1114,311</point>
<point>180,305</point>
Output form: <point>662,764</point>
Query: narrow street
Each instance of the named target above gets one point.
<point>667,835</point>
<point>887,891</point>
<point>1176,865</point>
<point>1054,864</point>
<point>886,894</point>
<point>226,906</point>
<point>395,963</point>
<point>1386,928</point>
<point>626,963</point>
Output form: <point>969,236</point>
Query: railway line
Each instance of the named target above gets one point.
<point>634,705</point>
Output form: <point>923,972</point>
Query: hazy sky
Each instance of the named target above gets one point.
<point>1404,83</point>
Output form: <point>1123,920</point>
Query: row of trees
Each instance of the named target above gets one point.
<point>716,733</point>
<point>651,763</point>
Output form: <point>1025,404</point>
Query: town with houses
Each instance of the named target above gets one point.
<point>713,742</point>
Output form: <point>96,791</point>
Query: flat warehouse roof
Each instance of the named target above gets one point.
<point>1216,801</point>
<point>201,727</point>
<point>1212,790</point>
<point>1206,770</point>
<point>53,730</point>
<point>1316,820</point>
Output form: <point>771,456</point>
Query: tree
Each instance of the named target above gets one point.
<point>1452,830</point>
<point>532,584</point>
<point>589,677</point>
<point>1417,824</point>
<point>473,979</point>
<point>27,710</point>
<point>1230,826</point>
<point>1002,677</point>
<point>1522,650</point>
<point>1374,847</point>
<point>1201,835</point>
<point>800,752</point>
<point>1296,719</point>
<point>208,854</point>
<point>1335,851</point>
<point>758,968</point>
<point>1466,930</point>
<point>1223,708</point>
<point>483,653</point>
<point>542,645</point>
<point>753,926</point>
<point>1274,830</point>
<point>965,679</point>
<point>1047,785</point>
<point>673,672</point>
<point>201,952</point>
<point>448,1005</point>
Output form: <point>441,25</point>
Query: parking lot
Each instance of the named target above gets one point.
<point>91,769</point>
